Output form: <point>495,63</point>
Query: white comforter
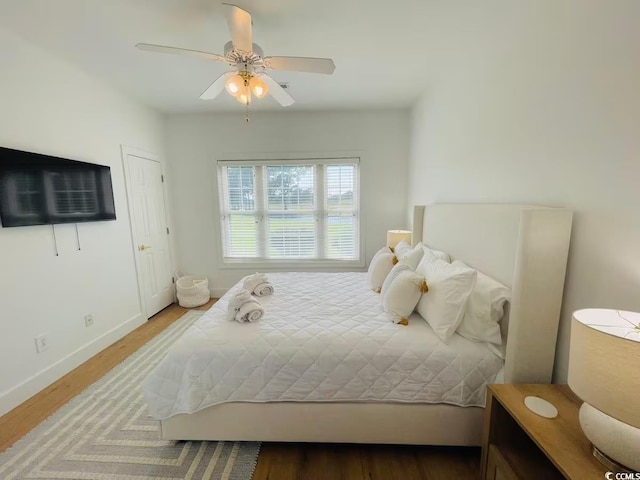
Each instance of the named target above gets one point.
<point>324,337</point>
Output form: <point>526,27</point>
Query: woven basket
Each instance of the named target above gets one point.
<point>192,290</point>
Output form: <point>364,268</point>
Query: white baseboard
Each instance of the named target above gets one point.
<point>218,292</point>
<point>32,385</point>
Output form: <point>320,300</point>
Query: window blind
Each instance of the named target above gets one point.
<point>342,211</point>
<point>290,210</point>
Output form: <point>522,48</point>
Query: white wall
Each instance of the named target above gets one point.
<point>195,142</point>
<point>539,102</point>
<point>51,107</point>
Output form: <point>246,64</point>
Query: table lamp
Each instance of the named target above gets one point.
<point>394,237</point>
<point>604,361</point>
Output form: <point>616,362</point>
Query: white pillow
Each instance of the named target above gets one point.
<point>436,253</point>
<point>410,256</point>
<point>395,271</point>
<point>401,248</point>
<point>449,289</point>
<point>400,298</point>
<point>484,310</point>
<point>379,268</point>
<point>428,255</point>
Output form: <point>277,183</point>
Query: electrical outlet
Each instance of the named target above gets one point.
<point>42,343</point>
<point>88,320</point>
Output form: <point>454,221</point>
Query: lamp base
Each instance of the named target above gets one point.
<point>615,443</point>
<point>608,462</point>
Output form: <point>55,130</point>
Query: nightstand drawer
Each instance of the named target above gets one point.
<point>519,461</point>
<point>497,466</point>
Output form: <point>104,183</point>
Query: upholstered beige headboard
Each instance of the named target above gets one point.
<point>522,246</point>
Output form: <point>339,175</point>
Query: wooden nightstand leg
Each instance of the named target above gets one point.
<point>487,433</point>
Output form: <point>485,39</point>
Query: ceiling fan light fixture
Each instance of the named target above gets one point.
<point>258,88</point>
<point>249,78</point>
<point>234,85</point>
<point>244,95</point>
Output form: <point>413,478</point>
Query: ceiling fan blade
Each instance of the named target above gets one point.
<point>148,47</point>
<point>217,86</point>
<point>301,64</point>
<point>277,91</point>
<point>239,22</point>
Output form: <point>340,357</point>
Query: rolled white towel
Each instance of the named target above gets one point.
<point>258,284</point>
<point>263,289</point>
<point>236,301</point>
<point>249,312</point>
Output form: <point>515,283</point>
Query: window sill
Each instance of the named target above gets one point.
<point>289,264</point>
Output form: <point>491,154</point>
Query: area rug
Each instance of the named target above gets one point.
<point>106,433</point>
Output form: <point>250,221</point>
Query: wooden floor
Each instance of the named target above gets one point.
<point>277,461</point>
<point>303,461</point>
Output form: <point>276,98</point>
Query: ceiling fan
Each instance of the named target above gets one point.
<point>249,78</point>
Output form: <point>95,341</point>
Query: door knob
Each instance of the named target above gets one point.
<point>142,248</point>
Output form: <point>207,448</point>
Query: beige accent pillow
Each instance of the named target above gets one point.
<point>449,289</point>
<point>402,295</point>
<point>379,268</point>
<point>395,271</point>
<point>380,252</point>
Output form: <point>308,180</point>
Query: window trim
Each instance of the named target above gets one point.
<point>307,158</point>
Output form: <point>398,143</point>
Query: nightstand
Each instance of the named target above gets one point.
<point>518,444</point>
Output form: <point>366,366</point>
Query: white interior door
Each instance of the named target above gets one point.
<point>150,233</point>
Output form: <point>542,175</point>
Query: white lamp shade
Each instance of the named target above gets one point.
<point>603,362</point>
<point>394,237</point>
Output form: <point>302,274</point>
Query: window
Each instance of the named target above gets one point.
<point>298,210</point>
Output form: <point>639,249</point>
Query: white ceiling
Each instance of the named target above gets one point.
<point>374,43</point>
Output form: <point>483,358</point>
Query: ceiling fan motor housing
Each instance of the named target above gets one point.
<point>237,57</point>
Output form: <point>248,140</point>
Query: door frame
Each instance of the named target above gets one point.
<point>136,152</point>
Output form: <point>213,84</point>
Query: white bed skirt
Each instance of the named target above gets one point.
<point>385,423</point>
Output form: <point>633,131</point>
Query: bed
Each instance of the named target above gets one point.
<point>290,378</point>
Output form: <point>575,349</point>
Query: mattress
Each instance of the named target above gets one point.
<point>324,338</point>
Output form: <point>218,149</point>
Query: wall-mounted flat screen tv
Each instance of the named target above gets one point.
<point>39,189</point>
